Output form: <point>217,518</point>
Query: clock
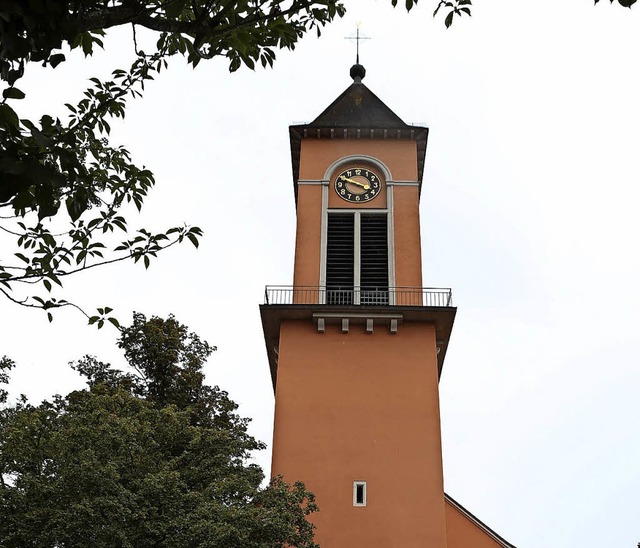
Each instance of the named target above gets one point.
<point>357,184</point>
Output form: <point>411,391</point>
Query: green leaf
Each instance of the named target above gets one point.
<point>77,204</point>
<point>448,19</point>
<point>8,117</point>
<point>56,59</point>
<point>193,239</point>
<point>13,93</point>
<point>235,64</point>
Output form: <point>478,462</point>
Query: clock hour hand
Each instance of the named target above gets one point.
<point>353,181</point>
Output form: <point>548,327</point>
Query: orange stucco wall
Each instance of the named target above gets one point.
<point>306,271</point>
<point>464,533</point>
<point>316,155</point>
<point>357,406</point>
<point>406,223</point>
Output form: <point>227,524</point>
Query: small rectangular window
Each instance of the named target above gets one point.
<point>359,493</point>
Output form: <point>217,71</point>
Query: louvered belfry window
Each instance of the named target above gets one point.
<point>357,269</point>
<point>340,259</point>
<point>374,265</point>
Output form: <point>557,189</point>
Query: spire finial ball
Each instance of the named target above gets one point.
<point>357,72</point>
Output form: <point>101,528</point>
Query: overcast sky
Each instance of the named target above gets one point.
<point>529,213</point>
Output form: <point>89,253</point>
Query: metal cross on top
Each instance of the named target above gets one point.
<point>357,38</point>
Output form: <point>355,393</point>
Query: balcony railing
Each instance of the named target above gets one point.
<point>394,296</point>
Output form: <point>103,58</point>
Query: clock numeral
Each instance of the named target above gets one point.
<point>340,185</point>
<point>358,198</point>
<point>358,171</point>
<point>349,173</point>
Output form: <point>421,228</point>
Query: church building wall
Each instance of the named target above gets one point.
<point>363,407</point>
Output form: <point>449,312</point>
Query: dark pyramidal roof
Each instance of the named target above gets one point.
<point>357,114</point>
<point>358,107</point>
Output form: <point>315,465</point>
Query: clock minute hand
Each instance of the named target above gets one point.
<point>353,181</point>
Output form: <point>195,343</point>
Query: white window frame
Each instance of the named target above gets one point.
<point>326,184</point>
<point>356,484</point>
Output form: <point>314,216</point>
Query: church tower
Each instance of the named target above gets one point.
<point>357,344</point>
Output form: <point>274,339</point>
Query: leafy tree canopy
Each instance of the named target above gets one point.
<point>150,458</point>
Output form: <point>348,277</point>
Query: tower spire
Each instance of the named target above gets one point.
<point>357,71</point>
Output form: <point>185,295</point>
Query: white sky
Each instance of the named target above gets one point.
<point>529,212</point>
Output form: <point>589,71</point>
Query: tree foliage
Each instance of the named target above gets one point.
<point>64,186</point>
<point>149,458</point>
<point>453,8</point>
<point>623,3</point>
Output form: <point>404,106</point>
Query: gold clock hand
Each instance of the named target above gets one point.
<point>353,181</point>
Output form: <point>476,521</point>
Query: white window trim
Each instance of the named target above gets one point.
<point>357,484</point>
<point>326,183</point>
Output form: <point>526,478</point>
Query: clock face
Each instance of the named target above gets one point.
<point>357,184</point>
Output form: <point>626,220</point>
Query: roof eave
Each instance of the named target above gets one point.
<point>484,527</point>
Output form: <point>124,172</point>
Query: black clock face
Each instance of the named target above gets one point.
<point>357,184</point>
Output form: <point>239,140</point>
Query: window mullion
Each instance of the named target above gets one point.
<point>356,258</point>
